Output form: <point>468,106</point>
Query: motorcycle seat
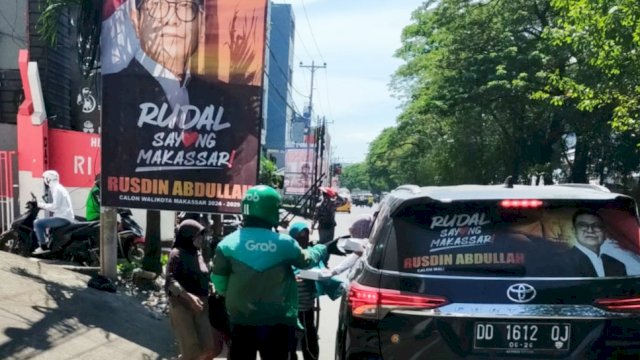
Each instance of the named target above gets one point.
<point>74,226</point>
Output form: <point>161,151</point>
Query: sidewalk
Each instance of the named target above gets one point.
<point>48,312</point>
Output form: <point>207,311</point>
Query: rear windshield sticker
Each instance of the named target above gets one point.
<point>459,220</point>
<point>461,230</point>
<point>563,242</point>
<point>437,262</point>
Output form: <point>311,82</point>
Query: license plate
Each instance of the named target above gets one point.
<point>522,337</point>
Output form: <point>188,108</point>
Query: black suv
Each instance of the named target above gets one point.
<point>508,272</point>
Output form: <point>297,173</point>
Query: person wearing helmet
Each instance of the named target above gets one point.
<point>325,214</point>
<point>61,208</point>
<point>253,269</point>
<point>93,201</point>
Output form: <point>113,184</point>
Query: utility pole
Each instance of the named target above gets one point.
<point>313,67</point>
<point>108,242</point>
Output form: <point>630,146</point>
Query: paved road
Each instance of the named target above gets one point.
<point>329,309</point>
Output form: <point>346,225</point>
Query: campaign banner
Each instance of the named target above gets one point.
<point>581,240</point>
<point>181,103</point>
<point>298,170</point>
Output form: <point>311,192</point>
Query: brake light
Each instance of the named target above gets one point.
<point>626,304</point>
<point>525,203</point>
<point>367,301</point>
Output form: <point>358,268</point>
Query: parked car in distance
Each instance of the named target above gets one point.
<point>346,207</point>
<point>504,272</point>
<point>362,198</point>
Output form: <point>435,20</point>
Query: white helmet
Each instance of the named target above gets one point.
<point>50,176</point>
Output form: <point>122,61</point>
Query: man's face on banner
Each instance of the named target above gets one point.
<point>589,231</point>
<point>168,30</point>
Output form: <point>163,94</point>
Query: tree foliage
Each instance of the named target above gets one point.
<point>354,176</point>
<point>482,84</point>
<point>604,37</point>
<point>87,17</point>
<point>267,174</point>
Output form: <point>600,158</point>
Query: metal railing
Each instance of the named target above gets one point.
<point>7,205</point>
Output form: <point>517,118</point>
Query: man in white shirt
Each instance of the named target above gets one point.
<point>61,207</point>
<point>586,259</point>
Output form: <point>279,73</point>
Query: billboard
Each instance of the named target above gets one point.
<point>181,102</point>
<point>298,170</point>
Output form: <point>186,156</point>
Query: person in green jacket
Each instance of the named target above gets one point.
<point>93,201</point>
<point>253,269</point>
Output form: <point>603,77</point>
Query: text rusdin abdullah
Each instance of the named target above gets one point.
<point>173,191</point>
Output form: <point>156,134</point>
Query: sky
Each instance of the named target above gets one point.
<point>357,40</point>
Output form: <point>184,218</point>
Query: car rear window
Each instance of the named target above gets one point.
<point>555,239</point>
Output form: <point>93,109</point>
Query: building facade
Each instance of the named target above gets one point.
<point>279,113</point>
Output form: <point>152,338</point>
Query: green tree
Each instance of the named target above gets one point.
<point>604,38</point>
<point>479,100</point>
<point>354,176</point>
<point>87,14</point>
<point>267,175</point>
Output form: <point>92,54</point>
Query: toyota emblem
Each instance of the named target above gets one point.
<point>521,293</point>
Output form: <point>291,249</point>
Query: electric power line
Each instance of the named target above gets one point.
<point>16,39</point>
<point>327,92</point>
<point>286,102</point>
<point>286,36</point>
<point>285,74</point>
<point>304,8</point>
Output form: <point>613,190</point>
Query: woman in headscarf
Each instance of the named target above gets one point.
<point>187,286</point>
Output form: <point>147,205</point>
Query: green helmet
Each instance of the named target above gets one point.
<point>262,202</point>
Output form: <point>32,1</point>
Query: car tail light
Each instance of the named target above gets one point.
<point>368,301</point>
<point>521,203</point>
<point>625,304</point>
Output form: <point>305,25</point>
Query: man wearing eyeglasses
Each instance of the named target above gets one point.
<point>147,105</point>
<point>168,32</point>
<point>586,258</point>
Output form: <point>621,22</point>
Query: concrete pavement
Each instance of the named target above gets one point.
<point>47,312</point>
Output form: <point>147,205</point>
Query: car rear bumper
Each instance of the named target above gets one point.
<point>419,337</point>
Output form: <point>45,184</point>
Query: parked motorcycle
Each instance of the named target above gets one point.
<point>77,242</point>
<point>19,236</point>
<point>130,237</point>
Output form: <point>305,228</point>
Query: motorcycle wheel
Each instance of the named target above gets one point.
<point>9,241</point>
<point>135,253</point>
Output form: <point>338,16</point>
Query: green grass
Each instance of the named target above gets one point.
<point>125,269</point>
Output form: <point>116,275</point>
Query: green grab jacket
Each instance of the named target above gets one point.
<point>252,268</point>
<point>93,204</point>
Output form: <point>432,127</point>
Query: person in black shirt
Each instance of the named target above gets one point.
<point>325,214</point>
